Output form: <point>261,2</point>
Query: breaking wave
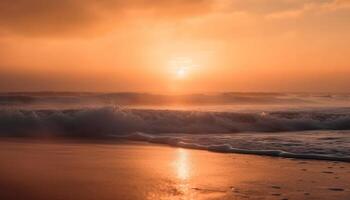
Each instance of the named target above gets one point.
<point>280,133</point>
<point>99,122</point>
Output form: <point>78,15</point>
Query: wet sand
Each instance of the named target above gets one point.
<point>43,170</point>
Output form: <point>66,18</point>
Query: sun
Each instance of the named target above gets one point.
<point>181,67</point>
<point>181,72</point>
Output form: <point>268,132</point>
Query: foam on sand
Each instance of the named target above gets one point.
<point>278,145</point>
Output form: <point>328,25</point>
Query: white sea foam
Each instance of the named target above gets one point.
<point>324,145</point>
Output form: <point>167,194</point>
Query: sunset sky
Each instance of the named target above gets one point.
<point>175,46</point>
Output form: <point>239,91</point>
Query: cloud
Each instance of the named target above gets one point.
<point>59,17</point>
<point>310,7</point>
<point>267,6</point>
<point>90,17</point>
<point>286,8</point>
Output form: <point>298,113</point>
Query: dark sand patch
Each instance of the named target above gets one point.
<point>336,189</point>
<point>275,187</point>
<point>276,194</point>
<point>327,172</point>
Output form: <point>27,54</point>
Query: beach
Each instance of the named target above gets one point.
<point>174,100</point>
<point>48,169</point>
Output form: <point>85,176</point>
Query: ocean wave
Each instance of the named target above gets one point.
<point>99,122</point>
<point>128,98</point>
<point>264,133</point>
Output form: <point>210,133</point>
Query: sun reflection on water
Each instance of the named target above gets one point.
<point>182,165</point>
<point>178,186</point>
<point>183,173</point>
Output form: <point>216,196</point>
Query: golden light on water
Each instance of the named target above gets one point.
<point>182,165</point>
<point>183,173</point>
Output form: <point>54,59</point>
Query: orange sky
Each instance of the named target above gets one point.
<point>175,46</point>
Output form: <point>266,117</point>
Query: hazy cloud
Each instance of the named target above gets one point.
<point>311,7</point>
<point>66,16</point>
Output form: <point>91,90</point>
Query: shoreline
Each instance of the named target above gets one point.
<point>149,141</point>
<point>138,170</point>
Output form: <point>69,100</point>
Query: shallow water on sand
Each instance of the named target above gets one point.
<point>318,145</point>
<point>70,170</point>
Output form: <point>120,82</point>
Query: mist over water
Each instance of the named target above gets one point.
<point>277,124</point>
<point>79,99</point>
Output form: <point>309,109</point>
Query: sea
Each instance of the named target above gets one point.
<point>291,125</point>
